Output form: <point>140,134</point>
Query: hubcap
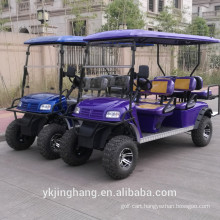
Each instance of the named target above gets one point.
<point>126,158</point>
<point>55,142</point>
<point>206,132</point>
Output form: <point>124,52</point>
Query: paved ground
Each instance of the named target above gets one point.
<point>169,164</point>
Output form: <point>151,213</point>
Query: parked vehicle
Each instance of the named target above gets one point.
<point>117,125</point>
<point>42,111</point>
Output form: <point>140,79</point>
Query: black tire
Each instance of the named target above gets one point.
<point>70,152</point>
<point>15,139</point>
<point>202,136</point>
<point>113,157</point>
<point>49,139</point>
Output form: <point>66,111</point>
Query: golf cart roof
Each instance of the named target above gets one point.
<point>65,40</point>
<point>150,37</point>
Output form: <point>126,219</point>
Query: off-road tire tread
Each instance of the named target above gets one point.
<point>67,146</point>
<point>44,139</point>
<point>10,136</point>
<point>110,155</point>
<point>197,134</point>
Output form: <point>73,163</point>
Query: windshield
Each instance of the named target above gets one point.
<point>44,67</point>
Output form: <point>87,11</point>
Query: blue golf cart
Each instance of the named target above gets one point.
<point>42,111</point>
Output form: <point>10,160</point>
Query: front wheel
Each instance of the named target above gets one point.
<point>202,136</point>
<point>120,157</point>
<point>70,152</point>
<point>15,138</point>
<point>49,141</point>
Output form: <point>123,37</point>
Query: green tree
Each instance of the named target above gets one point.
<point>169,20</point>
<point>78,7</point>
<point>124,12</point>
<point>198,27</point>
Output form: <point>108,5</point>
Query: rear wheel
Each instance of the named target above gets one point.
<point>49,141</point>
<point>120,157</point>
<point>15,138</point>
<point>202,136</point>
<point>70,152</point>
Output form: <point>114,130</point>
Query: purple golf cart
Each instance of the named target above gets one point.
<point>117,124</point>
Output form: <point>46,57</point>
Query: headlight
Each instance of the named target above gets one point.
<point>20,104</point>
<point>113,114</point>
<point>45,107</point>
<point>77,110</point>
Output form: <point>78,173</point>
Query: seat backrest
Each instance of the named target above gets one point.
<point>143,71</point>
<point>173,78</point>
<point>162,87</point>
<point>185,83</point>
<point>95,84</point>
<point>120,84</point>
<point>199,82</point>
<point>109,78</point>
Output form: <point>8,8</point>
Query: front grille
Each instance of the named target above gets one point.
<point>97,114</point>
<point>33,107</point>
<point>29,106</point>
<point>24,105</point>
<point>85,112</point>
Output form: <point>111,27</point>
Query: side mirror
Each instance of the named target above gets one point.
<point>71,71</point>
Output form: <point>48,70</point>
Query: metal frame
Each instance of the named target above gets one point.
<point>210,97</point>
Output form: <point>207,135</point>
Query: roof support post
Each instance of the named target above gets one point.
<point>158,59</point>
<point>25,70</point>
<point>199,58</point>
<point>133,49</point>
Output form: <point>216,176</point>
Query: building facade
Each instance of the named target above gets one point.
<point>22,15</point>
<point>153,7</point>
<point>210,11</point>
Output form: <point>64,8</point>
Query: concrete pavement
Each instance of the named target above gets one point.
<point>172,163</point>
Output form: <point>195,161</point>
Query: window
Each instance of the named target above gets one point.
<point>177,3</point>
<point>151,5</point>
<point>150,29</point>
<point>78,28</point>
<point>217,8</point>
<point>211,30</point>
<point>160,5</point>
<point>4,4</point>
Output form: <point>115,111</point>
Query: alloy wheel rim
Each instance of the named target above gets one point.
<point>55,142</point>
<point>207,131</point>
<point>126,158</point>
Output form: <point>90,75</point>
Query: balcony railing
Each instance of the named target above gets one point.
<point>211,14</point>
<point>24,6</point>
<point>46,2</point>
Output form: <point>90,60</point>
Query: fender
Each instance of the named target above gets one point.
<point>32,124</point>
<point>203,112</point>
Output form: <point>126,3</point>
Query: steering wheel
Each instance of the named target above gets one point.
<point>144,84</point>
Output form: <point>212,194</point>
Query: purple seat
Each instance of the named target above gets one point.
<point>151,115</point>
<point>166,77</point>
<point>185,85</point>
<point>201,93</point>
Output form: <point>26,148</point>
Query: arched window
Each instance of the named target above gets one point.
<point>24,30</point>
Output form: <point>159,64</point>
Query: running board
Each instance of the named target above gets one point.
<point>165,132</point>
